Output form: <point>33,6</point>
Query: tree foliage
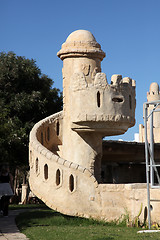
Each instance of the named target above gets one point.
<point>26,96</point>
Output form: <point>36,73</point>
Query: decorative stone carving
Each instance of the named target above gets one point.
<point>100,80</point>
<point>85,69</point>
<point>95,71</point>
<point>78,81</point>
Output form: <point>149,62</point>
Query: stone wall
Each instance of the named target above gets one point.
<point>72,189</point>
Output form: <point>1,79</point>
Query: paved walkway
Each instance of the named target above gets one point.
<point>8,228</point>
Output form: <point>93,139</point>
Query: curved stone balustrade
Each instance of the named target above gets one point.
<point>71,189</point>
<point>57,181</point>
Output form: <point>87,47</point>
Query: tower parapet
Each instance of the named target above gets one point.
<point>107,108</point>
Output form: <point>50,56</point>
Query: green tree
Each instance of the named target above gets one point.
<point>26,96</point>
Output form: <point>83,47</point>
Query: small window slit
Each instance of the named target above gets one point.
<point>58,177</point>
<point>71,183</point>
<point>98,99</point>
<point>117,99</point>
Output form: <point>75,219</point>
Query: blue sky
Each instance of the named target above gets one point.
<point>128,31</point>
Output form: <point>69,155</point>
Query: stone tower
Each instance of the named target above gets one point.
<point>92,108</point>
<point>152,95</point>
<point>65,148</point>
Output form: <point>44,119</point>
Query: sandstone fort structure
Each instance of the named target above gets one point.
<point>69,167</point>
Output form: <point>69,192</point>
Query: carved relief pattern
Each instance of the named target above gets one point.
<point>95,71</point>
<point>85,69</point>
<point>100,80</point>
<point>78,81</point>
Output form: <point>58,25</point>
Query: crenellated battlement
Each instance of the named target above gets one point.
<point>79,82</point>
<point>112,104</point>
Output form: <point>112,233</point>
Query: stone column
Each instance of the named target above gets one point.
<point>24,193</point>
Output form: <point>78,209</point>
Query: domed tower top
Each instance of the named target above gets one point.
<point>81,35</point>
<point>81,43</point>
<point>153,93</point>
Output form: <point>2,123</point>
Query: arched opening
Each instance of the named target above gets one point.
<point>71,183</point>
<point>58,177</point>
<point>57,128</point>
<point>130,102</point>
<point>45,171</point>
<point>36,165</point>
<point>42,138</point>
<point>98,99</point>
<point>48,134</point>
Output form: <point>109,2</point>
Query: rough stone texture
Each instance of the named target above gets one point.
<point>152,95</point>
<point>66,148</point>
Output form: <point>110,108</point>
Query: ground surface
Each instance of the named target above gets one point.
<point>46,224</point>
